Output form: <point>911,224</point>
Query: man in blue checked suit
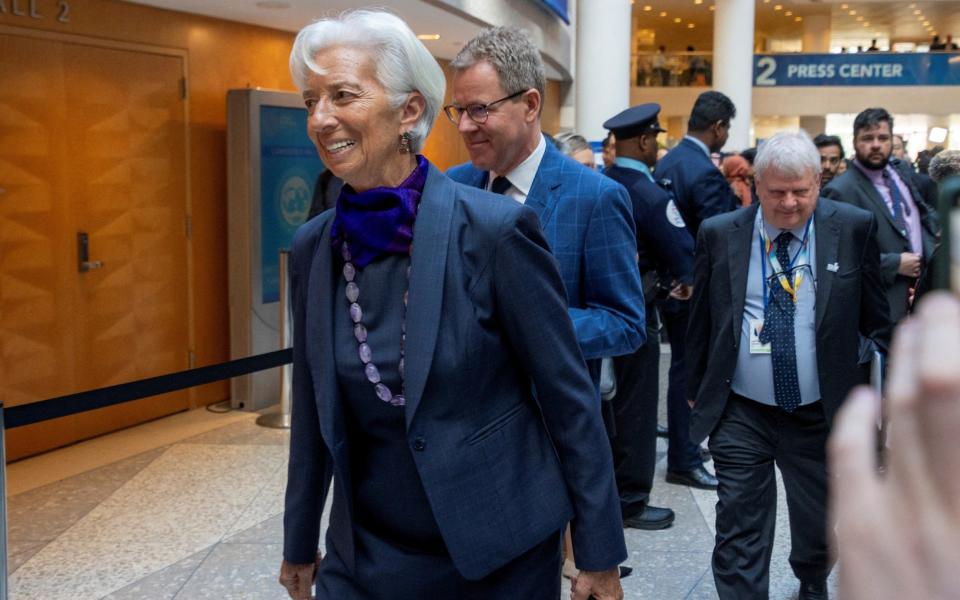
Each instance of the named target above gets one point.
<point>587,219</point>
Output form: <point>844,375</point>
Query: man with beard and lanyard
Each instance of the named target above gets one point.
<point>907,229</point>
<point>663,244</point>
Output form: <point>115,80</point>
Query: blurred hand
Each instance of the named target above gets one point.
<point>690,402</point>
<point>909,264</point>
<point>899,535</point>
<point>602,585</point>
<point>681,291</point>
<point>298,578</point>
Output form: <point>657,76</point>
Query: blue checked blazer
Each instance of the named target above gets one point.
<point>588,221</point>
<point>487,324</point>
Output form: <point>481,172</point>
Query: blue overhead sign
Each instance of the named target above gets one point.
<point>559,7</point>
<point>866,68</point>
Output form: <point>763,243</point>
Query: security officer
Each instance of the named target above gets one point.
<point>664,245</point>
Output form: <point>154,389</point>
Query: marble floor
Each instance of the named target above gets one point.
<point>190,507</point>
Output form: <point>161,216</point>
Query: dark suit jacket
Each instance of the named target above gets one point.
<point>588,223</point>
<point>661,245</point>
<point>487,323</point>
<point>849,303</point>
<point>698,186</point>
<point>854,188</point>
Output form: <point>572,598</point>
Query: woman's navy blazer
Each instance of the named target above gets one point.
<point>503,420</point>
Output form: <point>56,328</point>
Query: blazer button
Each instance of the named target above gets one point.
<point>419,444</point>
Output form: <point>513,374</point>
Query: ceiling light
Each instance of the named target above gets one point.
<point>937,135</point>
<point>698,1</point>
<point>778,7</point>
<point>690,25</point>
<point>798,19</point>
<point>663,14</point>
<point>712,7</point>
<point>844,6</point>
<point>918,12</point>
<point>860,18</point>
<point>677,20</point>
<point>852,12</point>
<point>926,23</point>
<point>647,8</point>
<point>866,24</point>
<point>428,36</point>
<point>913,5</point>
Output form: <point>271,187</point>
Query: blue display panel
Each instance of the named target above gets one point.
<point>289,166</point>
<point>558,6</point>
<point>867,68</point>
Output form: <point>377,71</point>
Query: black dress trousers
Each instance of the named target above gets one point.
<point>749,439</point>
<point>635,418</point>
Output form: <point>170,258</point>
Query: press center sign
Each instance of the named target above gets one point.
<point>866,69</point>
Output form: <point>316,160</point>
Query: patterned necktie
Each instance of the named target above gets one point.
<point>500,185</point>
<point>896,199</point>
<point>778,331</point>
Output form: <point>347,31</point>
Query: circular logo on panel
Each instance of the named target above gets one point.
<point>674,216</point>
<point>295,200</point>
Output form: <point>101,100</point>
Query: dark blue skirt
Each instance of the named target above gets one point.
<point>387,572</point>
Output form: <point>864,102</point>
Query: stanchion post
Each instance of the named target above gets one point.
<point>4,548</point>
<point>281,420</point>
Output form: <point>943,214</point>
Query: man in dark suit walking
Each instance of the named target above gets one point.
<point>700,191</point>
<point>663,246</point>
<point>906,227</point>
<point>782,293</point>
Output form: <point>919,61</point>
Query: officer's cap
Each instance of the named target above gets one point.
<point>635,121</point>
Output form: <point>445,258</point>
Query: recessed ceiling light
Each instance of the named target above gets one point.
<point>866,24</point>
<point>860,18</point>
<point>844,6</point>
<point>677,20</point>
<point>663,14</point>
<point>798,19</point>
<point>428,36</point>
<point>690,25</point>
<point>789,13</point>
<point>273,4</point>
<point>647,8</point>
<point>852,12</point>
<point>778,7</point>
<point>712,7</point>
<point>913,5</point>
<point>698,1</point>
<point>918,12</point>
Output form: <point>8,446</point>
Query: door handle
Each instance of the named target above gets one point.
<point>84,263</point>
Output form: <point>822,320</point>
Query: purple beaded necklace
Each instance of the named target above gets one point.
<point>378,222</point>
<point>360,331</point>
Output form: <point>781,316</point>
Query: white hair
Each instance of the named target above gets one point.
<point>402,62</point>
<point>789,153</point>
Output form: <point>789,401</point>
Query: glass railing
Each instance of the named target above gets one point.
<point>672,69</point>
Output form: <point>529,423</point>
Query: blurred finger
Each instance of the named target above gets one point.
<point>939,383</point>
<point>304,583</point>
<point>852,449</point>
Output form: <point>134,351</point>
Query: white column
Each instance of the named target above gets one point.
<point>602,65</point>
<point>733,26</point>
<point>816,33</point>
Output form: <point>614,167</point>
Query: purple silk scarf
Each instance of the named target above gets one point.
<point>379,221</point>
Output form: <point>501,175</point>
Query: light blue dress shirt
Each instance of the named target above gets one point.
<point>636,165</point>
<point>700,145</point>
<point>753,377</point>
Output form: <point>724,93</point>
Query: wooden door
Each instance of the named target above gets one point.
<point>92,140</point>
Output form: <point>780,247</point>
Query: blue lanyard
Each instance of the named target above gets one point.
<point>765,257</point>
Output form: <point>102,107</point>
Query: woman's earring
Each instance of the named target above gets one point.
<point>406,143</point>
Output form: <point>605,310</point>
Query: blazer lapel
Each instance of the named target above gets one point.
<point>827,234</point>
<point>738,263</point>
<point>430,243</point>
<point>543,197</point>
<point>866,186</point>
<point>319,330</point>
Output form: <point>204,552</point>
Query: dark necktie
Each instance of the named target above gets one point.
<point>500,185</point>
<point>778,331</point>
<point>896,199</point>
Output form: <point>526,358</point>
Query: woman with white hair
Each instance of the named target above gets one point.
<point>426,313</point>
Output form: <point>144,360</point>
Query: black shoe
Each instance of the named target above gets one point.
<point>650,518</point>
<point>813,590</point>
<point>697,477</point>
<point>662,431</point>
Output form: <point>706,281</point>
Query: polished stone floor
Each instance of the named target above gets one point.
<point>200,517</point>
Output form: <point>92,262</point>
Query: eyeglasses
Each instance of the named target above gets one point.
<point>478,113</point>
